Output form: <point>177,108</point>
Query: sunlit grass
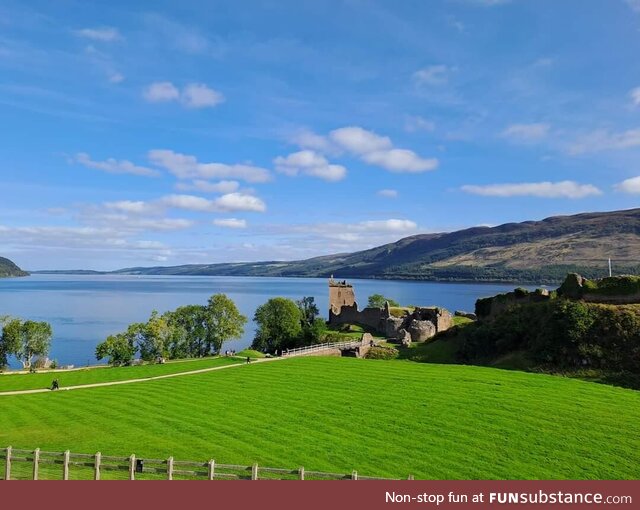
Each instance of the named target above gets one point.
<point>383,418</point>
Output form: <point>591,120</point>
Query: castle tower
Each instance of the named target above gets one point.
<point>340,294</point>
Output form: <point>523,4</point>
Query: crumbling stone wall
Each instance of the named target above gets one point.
<point>421,324</point>
<point>488,308</point>
<point>615,290</point>
<point>371,317</point>
<point>340,294</point>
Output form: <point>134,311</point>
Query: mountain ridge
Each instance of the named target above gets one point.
<point>541,251</point>
<point>9,269</point>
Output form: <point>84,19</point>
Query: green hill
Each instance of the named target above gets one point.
<point>534,251</point>
<point>382,418</point>
<point>8,268</point>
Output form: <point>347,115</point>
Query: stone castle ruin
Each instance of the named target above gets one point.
<point>417,325</point>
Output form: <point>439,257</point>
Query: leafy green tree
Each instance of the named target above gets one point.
<point>25,340</point>
<point>120,349</point>
<point>190,331</point>
<point>223,322</point>
<point>7,344</point>
<point>308,310</point>
<point>278,323</point>
<point>155,337</point>
<point>378,300</point>
<point>315,332</point>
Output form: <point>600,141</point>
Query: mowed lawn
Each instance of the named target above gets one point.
<point>382,418</point>
<point>11,382</point>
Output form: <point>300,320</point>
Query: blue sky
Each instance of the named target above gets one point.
<point>162,133</point>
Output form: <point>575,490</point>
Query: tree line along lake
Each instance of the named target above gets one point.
<point>84,310</point>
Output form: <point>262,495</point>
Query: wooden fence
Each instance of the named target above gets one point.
<point>32,464</point>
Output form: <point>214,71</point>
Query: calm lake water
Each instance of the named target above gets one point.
<point>84,310</point>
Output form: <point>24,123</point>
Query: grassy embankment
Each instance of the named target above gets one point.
<point>383,418</point>
<point>91,375</point>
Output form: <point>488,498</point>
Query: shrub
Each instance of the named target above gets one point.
<point>382,353</point>
<point>521,292</point>
<point>563,334</point>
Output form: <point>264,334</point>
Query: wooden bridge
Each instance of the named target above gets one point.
<point>353,348</point>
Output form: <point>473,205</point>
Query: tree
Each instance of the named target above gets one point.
<point>7,345</point>
<point>25,340</point>
<point>308,310</point>
<point>120,349</point>
<point>278,323</point>
<point>223,322</point>
<point>190,331</point>
<point>378,300</point>
<point>313,328</point>
<point>154,337</point>
<point>314,333</point>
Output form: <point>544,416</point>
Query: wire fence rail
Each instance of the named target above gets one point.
<point>37,464</point>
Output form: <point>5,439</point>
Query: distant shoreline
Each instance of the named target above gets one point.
<point>382,278</point>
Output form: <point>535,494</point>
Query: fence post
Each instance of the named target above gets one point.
<point>36,461</point>
<point>7,466</point>
<point>254,471</point>
<point>301,473</point>
<point>132,467</point>
<point>354,475</point>
<point>170,468</point>
<point>211,467</point>
<point>96,466</point>
<point>65,465</point>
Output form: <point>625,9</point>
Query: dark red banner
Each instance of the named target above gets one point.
<point>263,494</point>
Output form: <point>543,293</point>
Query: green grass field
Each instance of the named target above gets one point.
<point>382,418</point>
<point>10,382</point>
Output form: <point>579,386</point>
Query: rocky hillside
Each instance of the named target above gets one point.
<point>8,268</point>
<point>533,251</point>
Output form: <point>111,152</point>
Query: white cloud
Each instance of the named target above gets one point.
<point>310,163</point>
<point>230,223</point>
<point>417,123</point>
<point>631,186</point>
<point>239,202</point>
<point>359,141</point>
<point>635,93</point>
<point>562,189</point>
<point>366,145</point>
<point>603,140</point>
<point>198,95</point>
<point>634,4</point>
<point>113,166</point>
<point>161,91</point>
<point>193,95</point>
<point>116,77</point>
<point>226,203</point>
<point>209,187</point>
<point>400,160</point>
<point>103,34</point>
<point>526,133</point>
<point>307,139</point>
<point>129,206</point>
<point>432,75</point>
<point>185,166</point>
<point>364,233</point>
<point>189,202</point>
<point>392,225</point>
<point>388,193</point>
